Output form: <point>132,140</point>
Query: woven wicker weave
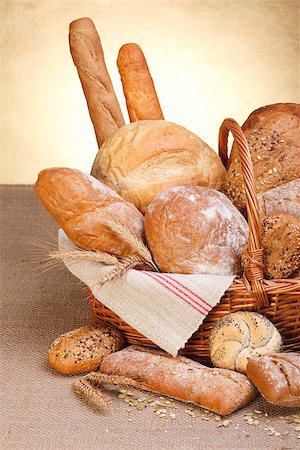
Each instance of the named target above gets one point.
<point>279,300</point>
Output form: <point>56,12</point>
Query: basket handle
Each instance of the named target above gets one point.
<point>253,274</point>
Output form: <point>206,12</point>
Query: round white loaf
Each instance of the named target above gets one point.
<point>193,229</point>
<point>147,157</point>
<point>240,336</point>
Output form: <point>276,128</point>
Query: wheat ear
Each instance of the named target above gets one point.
<point>122,267</point>
<point>124,232</point>
<point>89,388</point>
<point>91,395</point>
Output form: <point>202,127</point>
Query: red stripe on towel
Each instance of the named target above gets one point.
<point>167,286</point>
<point>190,291</point>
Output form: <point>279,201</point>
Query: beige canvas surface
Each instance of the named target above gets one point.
<point>210,59</point>
<point>39,410</point>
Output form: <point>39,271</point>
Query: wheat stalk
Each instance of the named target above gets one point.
<point>77,255</point>
<point>92,396</point>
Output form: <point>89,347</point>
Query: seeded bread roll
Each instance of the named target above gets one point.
<point>277,377</point>
<point>272,133</point>
<point>82,350</point>
<point>88,57</point>
<point>147,157</point>
<point>281,245</point>
<point>141,98</point>
<point>281,199</point>
<point>219,390</point>
<point>81,205</point>
<point>193,229</point>
<point>241,336</point>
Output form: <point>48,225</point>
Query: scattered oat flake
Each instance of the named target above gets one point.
<point>258,411</point>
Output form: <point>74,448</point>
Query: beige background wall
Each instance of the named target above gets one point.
<point>210,59</point>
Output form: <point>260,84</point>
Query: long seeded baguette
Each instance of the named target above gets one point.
<point>220,390</point>
<point>88,57</point>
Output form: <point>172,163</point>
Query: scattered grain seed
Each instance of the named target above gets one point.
<point>256,422</point>
<point>297,429</point>
<point>258,411</point>
<point>218,418</point>
<point>277,433</point>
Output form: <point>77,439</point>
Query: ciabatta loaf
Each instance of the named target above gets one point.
<point>277,377</point>
<point>147,157</point>
<point>220,390</point>
<point>83,206</point>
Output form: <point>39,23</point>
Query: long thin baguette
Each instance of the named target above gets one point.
<point>141,98</point>
<point>219,390</point>
<point>88,57</point>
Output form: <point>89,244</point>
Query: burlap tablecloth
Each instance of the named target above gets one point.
<point>38,408</point>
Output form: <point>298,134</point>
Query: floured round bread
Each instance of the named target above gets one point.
<point>147,157</point>
<point>240,336</point>
<point>193,229</point>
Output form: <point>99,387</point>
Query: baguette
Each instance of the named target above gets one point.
<point>88,57</point>
<point>219,390</point>
<point>141,99</point>
<point>277,377</point>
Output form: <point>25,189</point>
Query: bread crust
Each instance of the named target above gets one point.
<point>272,133</point>
<point>193,229</point>
<point>141,98</point>
<point>277,377</point>
<point>82,350</point>
<point>218,390</point>
<point>88,57</point>
<point>78,201</point>
<point>147,157</point>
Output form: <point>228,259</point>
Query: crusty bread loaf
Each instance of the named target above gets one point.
<point>141,99</point>
<point>218,390</point>
<point>82,350</point>
<point>281,245</point>
<point>277,377</point>
<point>81,205</point>
<point>193,229</point>
<point>240,336</point>
<point>88,57</point>
<point>147,157</point>
<point>281,199</point>
<point>272,133</point>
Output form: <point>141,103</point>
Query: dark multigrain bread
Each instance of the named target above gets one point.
<point>281,245</point>
<point>272,133</point>
<point>82,350</point>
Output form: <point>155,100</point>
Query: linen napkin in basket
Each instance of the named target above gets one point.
<point>166,308</point>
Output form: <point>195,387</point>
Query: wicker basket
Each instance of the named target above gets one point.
<point>279,300</point>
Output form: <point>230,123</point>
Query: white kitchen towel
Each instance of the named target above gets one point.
<point>166,308</point>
